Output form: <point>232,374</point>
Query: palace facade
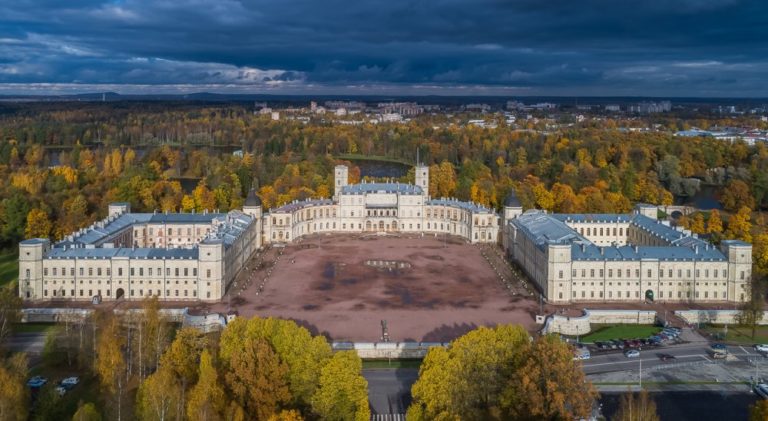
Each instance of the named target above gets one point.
<point>381,207</point>
<point>623,258</point>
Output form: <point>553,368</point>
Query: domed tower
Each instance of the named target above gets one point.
<point>252,204</point>
<point>512,207</point>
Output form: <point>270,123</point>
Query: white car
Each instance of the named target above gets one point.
<point>61,390</point>
<point>69,382</point>
<point>632,353</point>
<point>761,347</point>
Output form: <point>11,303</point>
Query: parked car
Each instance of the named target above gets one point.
<point>70,382</point>
<point>719,347</point>
<point>761,347</point>
<point>37,381</point>
<point>61,390</point>
<point>666,357</point>
<point>632,353</point>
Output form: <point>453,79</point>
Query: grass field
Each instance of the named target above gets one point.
<point>605,333</point>
<point>33,327</point>
<point>9,266</point>
<point>741,335</point>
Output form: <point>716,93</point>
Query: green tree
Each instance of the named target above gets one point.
<point>343,392</point>
<point>10,310</point>
<point>207,400</point>
<point>87,412</point>
<point>636,407</point>
<point>751,312</point>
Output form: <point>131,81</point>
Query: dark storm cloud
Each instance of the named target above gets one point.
<point>655,47</point>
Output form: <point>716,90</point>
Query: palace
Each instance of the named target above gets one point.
<point>616,257</point>
<point>189,256</point>
<point>382,207</point>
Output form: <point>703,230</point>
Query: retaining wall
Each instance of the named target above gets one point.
<point>719,317</point>
<point>582,325</point>
<point>387,350</point>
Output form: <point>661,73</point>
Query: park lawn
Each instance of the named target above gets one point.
<point>607,332</point>
<point>404,363</point>
<point>741,334</point>
<point>33,327</point>
<point>9,266</point>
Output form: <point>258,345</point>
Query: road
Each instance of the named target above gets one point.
<point>616,361</point>
<point>389,390</point>
<point>26,342</point>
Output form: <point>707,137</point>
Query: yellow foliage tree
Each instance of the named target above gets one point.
<point>38,224</point>
<point>14,395</point>
<point>697,224</point>
<point>343,391</point>
<point>739,226</point>
<point>207,400</point>
<point>715,223</point>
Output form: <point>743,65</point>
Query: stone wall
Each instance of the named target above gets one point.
<point>387,350</point>
<point>582,325</point>
<point>720,317</point>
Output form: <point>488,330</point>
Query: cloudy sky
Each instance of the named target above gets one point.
<point>452,47</point>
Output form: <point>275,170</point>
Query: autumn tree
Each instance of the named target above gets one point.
<point>38,224</point>
<point>714,223</point>
<point>303,354</point>
<point>549,385</point>
<point>287,415</point>
<point>739,225</point>
<point>636,407</point>
<point>343,392</point>
<point>87,412</point>
<point>110,361</point>
<point>151,335</point>
<point>759,411</point>
<point>181,361</point>
<point>158,396</point>
<point>14,394</point>
<point>697,224</point>
<point>207,399</point>
<point>257,379</point>
<point>466,380</point>
<point>736,195</point>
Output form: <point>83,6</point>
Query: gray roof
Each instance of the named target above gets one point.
<point>130,253</point>
<point>225,229</point>
<point>399,188</point>
<point>301,204</point>
<point>103,230</point>
<point>455,203</point>
<point>545,229</point>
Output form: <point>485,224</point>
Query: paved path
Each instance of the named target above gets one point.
<point>389,390</point>
<point>26,342</point>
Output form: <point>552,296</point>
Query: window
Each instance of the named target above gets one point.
<point>583,273</point>
<point>649,273</point>
<point>119,271</point>
<point>133,271</point>
<point>560,295</point>
<point>82,271</point>
<point>207,273</point>
<point>560,274</point>
<point>45,272</point>
<point>661,273</point>
<point>186,272</point>
<point>602,273</point>
<point>591,273</point>
<point>194,271</point>
<point>610,273</point>
<point>573,273</point>
<point>741,275</point>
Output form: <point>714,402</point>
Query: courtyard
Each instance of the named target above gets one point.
<point>430,289</point>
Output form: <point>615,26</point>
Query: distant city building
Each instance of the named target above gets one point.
<point>406,109</point>
<point>391,118</point>
<point>623,257</point>
<point>313,106</point>
<point>613,108</point>
<point>477,107</point>
<point>265,111</point>
<point>347,105</point>
<point>651,107</point>
<point>275,116</point>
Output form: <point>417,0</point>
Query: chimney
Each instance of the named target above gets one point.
<point>602,251</point>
